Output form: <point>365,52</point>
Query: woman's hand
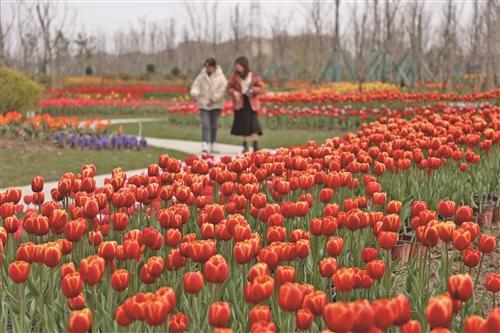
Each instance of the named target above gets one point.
<point>236,95</point>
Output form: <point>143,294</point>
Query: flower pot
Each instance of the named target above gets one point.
<point>485,216</point>
<point>401,251</point>
<point>496,215</point>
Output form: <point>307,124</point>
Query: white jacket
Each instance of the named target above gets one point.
<point>209,88</point>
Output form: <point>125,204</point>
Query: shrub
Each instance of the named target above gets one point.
<point>150,68</point>
<point>18,92</point>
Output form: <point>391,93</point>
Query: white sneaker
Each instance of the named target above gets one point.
<point>204,147</point>
<point>213,148</point>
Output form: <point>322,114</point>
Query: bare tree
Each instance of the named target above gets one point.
<point>390,12</point>
<point>415,23</point>
<point>336,34</point>
<point>50,24</point>
<point>316,12</point>
<point>236,27</point>
<point>5,28</point>
<point>448,50</point>
<point>27,35</point>
<point>280,39</point>
<point>376,25</point>
<point>169,36</point>
<point>360,45</point>
<point>86,46</point>
<point>492,20</point>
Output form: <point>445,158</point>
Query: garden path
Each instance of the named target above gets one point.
<point>188,147</point>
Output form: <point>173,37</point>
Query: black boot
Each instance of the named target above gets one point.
<point>245,147</point>
<point>255,145</point>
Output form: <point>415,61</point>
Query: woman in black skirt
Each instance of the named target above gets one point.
<point>245,88</point>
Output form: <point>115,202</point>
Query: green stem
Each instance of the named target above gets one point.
<point>21,308</point>
<point>478,271</point>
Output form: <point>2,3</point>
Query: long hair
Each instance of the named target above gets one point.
<point>243,62</point>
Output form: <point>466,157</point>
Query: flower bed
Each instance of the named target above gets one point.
<point>308,237</point>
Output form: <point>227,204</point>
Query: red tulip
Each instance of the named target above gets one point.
<point>76,303</point>
<point>493,282</point>
<point>120,280</point>
<point>413,326</point>
<point>338,317</point>
<point>192,282</point>
<point>315,302</point>
<point>463,214</point>
<point>387,239</point>
<point>216,269</point>
<point>375,269</point>
<point>446,208</point>
<point>219,314</point>
<point>92,269</point>
<point>379,199</point>
<point>37,184</point>
<point>461,239</point>
<point>334,246</point>
<point>304,319</point>
<point>368,254</point>
<point>363,316</point>
<point>461,286</point>
<point>473,324</point>
<point>492,323</point>
<point>72,285</point>
<point>487,243</point>
<point>344,279</point>
<point>328,267</point>
<point>260,313</point>
<point>438,311</point>
<point>260,289</point>
<point>471,257</point>
<point>384,314</point>
<point>326,195</point>
<point>19,271</point>
<point>290,296</point>
<point>284,274</point>
<point>156,312</point>
<point>178,323</point>
<point>80,321</point>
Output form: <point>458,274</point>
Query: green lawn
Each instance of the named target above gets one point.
<point>19,164</point>
<point>272,138</point>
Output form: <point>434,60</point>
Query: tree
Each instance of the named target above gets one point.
<point>5,28</point>
<point>360,45</point>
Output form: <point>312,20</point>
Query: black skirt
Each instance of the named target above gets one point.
<point>246,122</point>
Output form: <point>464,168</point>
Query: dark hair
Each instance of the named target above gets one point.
<point>243,62</point>
<point>210,62</point>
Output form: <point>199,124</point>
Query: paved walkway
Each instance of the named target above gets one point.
<point>188,147</point>
<point>193,147</point>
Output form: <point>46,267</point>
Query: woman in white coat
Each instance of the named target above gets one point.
<point>208,90</point>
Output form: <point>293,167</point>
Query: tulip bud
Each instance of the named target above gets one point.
<point>120,280</point>
<point>192,282</point>
<point>219,314</point>
<point>72,285</point>
<point>80,321</point>
<point>461,286</point>
<point>19,271</point>
<point>438,311</point>
<point>304,319</point>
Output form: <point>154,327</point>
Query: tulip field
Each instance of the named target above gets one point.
<point>390,228</point>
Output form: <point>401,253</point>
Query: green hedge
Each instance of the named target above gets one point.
<point>17,91</point>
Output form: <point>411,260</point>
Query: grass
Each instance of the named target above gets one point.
<point>20,163</point>
<point>272,138</point>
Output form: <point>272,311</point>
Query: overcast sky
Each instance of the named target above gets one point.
<point>107,17</point>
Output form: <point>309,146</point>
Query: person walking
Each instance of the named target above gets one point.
<point>245,87</point>
<point>208,90</point>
